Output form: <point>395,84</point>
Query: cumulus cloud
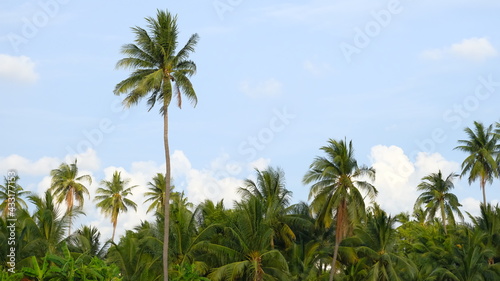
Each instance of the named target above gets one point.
<point>473,49</point>
<point>25,166</point>
<point>20,69</point>
<point>268,88</point>
<point>471,205</point>
<point>87,160</point>
<point>215,183</point>
<point>397,176</point>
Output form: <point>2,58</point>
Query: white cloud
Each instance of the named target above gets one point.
<point>87,160</point>
<point>397,176</point>
<point>431,163</point>
<point>217,182</point>
<point>25,166</point>
<point>268,88</point>
<point>316,68</point>
<point>470,205</point>
<point>261,164</point>
<point>473,49</point>
<point>19,69</point>
<point>394,172</point>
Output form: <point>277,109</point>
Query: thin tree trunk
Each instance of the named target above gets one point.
<point>483,185</point>
<point>167,194</point>
<point>114,229</point>
<point>340,233</point>
<point>334,261</point>
<point>69,202</point>
<point>443,217</point>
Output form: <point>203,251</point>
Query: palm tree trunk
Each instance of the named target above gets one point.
<point>167,194</point>
<point>69,203</point>
<point>114,229</point>
<point>334,260</point>
<point>443,217</point>
<point>483,185</point>
<point>339,234</point>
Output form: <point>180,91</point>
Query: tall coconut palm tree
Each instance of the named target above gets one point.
<point>12,192</point>
<point>337,189</point>
<point>482,149</point>
<point>111,198</point>
<point>159,72</point>
<point>67,186</point>
<point>436,196</point>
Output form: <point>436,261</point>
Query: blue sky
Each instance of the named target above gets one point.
<point>275,81</point>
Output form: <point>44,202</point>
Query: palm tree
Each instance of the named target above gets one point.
<point>11,189</point>
<point>377,248</point>
<point>67,186</point>
<point>156,193</point>
<point>270,189</point>
<point>159,72</point>
<point>112,198</point>
<point>470,260</point>
<point>436,196</point>
<point>44,230</point>
<point>245,252</point>
<point>489,224</point>
<point>87,240</point>
<point>336,190</point>
<point>481,147</point>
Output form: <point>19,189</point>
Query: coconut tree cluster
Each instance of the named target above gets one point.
<point>340,233</point>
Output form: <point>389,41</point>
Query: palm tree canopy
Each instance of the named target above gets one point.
<point>66,184</point>
<point>156,193</point>
<point>11,189</point>
<point>112,197</point>
<point>158,70</point>
<point>337,177</point>
<point>436,194</point>
<point>481,147</point>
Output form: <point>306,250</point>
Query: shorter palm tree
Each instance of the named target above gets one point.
<point>156,193</point>
<point>11,193</point>
<point>482,149</point>
<point>436,196</point>
<point>112,198</point>
<point>67,186</point>
<point>337,191</point>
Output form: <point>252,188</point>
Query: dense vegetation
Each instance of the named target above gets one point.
<point>263,236</point>
<point>341,233</point>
